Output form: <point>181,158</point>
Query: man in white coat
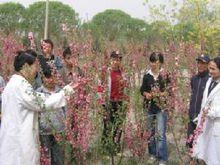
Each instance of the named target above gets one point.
<point>207,144</point>
<point>19,144</point>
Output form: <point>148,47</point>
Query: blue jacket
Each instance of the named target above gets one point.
<point>198,83</point>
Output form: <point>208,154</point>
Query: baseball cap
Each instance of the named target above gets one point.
<point>203,58</point>
<point>116,54</point>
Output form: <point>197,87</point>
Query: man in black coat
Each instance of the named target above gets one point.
<point>47,59</point>
<point>198,83</point>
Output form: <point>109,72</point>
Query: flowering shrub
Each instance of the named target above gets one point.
<point>84,114</point>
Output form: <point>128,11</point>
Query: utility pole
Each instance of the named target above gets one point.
<point>46,20</point>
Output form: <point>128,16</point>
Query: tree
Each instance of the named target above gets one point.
<point>160,34</point>
<point>11,17</point>
<point>138,30</point>
<point>195,21</point>
<point>203,17</point>
<point>116,25</point>
<point>59,14</point>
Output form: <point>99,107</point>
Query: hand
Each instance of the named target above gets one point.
<point>68,89</point>
<point>148,95</point>
<point>73,62</point>
<point>195,120</point>
<point>74,85</point>
<point>106,116</point>
<point>163,94</point>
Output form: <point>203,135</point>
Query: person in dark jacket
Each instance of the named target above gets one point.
<point>47,59</point>
<point>198,83</point>
<point>154,87</point>
<point>70,70</point>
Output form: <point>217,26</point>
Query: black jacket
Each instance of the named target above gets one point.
<point>44,62</point>
<point>149,82</point>
<point>198,83</point>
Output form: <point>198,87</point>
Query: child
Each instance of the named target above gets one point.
<point>51,121</point>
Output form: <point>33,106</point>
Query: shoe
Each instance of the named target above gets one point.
<point>162,162</point>
<point>152,159</point>
<point>119,154</point>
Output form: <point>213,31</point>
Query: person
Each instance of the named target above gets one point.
<point>70,70</point>
<point>19,143</point>
<point>153,88</point>
<point>50,122</point>
<point>197,84</point>
<point>115,111</point>
<point>207,144</point>
<point>47,58</point>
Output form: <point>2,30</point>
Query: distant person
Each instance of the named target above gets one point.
<point>47,58</point>
<point>70,70</point>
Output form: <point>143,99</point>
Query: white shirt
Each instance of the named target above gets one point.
<point>19,142</point>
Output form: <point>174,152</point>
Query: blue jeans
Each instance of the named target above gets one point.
<point>156,123</point>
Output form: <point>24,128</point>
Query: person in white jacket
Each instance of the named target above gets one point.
<point>207,143</point>
<point>19,136</point>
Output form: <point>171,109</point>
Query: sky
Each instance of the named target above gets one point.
<point>88,8</point>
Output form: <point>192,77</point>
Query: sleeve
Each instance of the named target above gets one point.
<point>30,99</point>
<point>145,85</point>
<point>191,83</point>
<point>55,101</point>
<point>191,94</point>
<point>214,111</point>
<point>38,101</point>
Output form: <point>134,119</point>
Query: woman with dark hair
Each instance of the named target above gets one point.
<point>207,134</point>
<point>19,143</point>
<point>153,88</point>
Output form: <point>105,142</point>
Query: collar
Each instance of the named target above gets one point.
<point>155,76</point>
<point>111,70</point>
<point>52,57</point>
<point>203,74</point>
<point>217,81</point>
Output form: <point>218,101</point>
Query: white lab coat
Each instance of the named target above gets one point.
<point>19,137</point>
<point>207,146</point>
